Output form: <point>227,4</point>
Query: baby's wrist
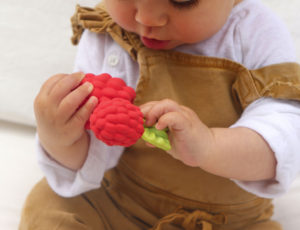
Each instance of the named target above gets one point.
<point>70,156</point>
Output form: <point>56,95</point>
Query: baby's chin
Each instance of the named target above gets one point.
<point>173,45</point>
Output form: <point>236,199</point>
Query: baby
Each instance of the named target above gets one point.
<point>219,74</point>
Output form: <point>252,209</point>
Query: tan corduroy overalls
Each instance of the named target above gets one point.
<point>149,189</point>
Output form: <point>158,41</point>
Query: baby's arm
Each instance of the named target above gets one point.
<point>100,157</point>
<point>239,153</point>
<point>69,183</point>
<point>61,120</point>
<point>277,121</point>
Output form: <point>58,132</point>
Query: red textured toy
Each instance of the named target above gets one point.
<point>109,87</point>
<point>115,120</point>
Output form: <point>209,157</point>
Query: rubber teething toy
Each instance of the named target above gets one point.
<point>107,87</point>
<point>116,120</point>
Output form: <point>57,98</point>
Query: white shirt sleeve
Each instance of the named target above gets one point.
<point>277,121</point>
<point>262,36</point>
<point>69,183</point>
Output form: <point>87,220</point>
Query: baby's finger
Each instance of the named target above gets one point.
<point>49,84</point>
<point>145,108</point>
<point>64,86</point>
<point>82,115</point>
<point>159,109</point>
<point>69,105</point>
<point>175,121</point>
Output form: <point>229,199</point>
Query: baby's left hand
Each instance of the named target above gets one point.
<point>191,140</point>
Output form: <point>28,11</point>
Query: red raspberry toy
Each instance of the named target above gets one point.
<point>109,87</point>
<point>117,122</point>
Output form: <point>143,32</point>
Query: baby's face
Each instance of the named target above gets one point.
<point>166,24</point>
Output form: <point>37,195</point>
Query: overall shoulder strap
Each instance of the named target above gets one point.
<point>280,81</point>
<point>97,20</point>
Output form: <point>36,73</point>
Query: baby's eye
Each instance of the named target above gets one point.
<point>184,3</point>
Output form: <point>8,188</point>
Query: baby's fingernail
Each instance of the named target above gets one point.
<point>148,123</point>
<point>93,100</point>
<point>79,75</point>
<point>158,126</point>
<point>89,86</point>
<point>142,110</point>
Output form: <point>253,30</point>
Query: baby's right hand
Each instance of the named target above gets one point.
<point>59,114</point>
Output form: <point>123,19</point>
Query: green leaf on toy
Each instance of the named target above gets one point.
<point>158,138</point>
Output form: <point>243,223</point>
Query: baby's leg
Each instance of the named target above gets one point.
<point>45,210</point>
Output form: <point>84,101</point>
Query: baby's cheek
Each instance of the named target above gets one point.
<point>124,16</point>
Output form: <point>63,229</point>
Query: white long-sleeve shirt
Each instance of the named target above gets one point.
<point>253,36</point>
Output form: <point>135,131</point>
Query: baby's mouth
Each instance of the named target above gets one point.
<point>154,43</point>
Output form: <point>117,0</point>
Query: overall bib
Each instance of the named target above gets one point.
<point>149,189</point>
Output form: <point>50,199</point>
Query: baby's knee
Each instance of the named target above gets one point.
<point>36,205</point>
<point>44,209</point>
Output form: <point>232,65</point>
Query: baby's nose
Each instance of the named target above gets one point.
<point>150,16</point>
